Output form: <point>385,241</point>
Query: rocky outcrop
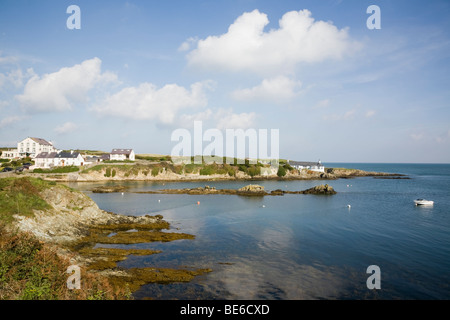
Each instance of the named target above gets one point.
<point>109,189</point>
<point>71,216</point>
<point>249,190</point>
<point>252,188</point>
<point>322,189</point>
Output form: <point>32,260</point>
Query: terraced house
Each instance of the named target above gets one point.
<point>33,146</point>
<point>58,159</point>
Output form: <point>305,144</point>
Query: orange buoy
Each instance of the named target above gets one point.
<point>198,202</point>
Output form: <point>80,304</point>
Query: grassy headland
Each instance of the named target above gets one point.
<point>46,227</point>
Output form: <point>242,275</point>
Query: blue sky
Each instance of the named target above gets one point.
<point>138,70</point>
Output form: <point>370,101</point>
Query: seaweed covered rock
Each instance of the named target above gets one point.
<point>321,189</point>
<point>252,188</point>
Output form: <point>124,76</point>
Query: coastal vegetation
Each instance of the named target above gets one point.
<point>45,227</point>
<point>65,169</point>
<point>30,268</point>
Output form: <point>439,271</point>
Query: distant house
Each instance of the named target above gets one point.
<point>122,154</point>
<point>33,146</point>
<point>313,166</point>
<point>58,159</point>
<point>105,157</point>
<point>10,154</point>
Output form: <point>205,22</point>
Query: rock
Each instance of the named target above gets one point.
<point>109,189</point>
<point>322,189</point>
<point>252,188</point>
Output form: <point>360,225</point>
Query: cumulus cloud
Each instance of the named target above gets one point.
<point>278,89</point>
<point>186,46</point>
<point>58,91</point>
<point>66,128</point>
<point>227,119</point>
<point>247,47</point>
<point>147,102</point>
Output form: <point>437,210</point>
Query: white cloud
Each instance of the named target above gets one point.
<point>247,47</point>
<point>370,113</point>
<point>16,77</point>
<point>147,102</point>
<point>58,91</point>
<point>66,128</point>
<point>226,119</point>
<point>185,46</point>
<point>187,120</point>
<point>8,59</point>
<point>279,89</point>
<point>9,120</point>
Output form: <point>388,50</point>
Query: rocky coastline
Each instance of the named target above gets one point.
<point>167,175</point>
<point>74,224</point>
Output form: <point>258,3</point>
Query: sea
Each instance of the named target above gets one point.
<point>368,241</point>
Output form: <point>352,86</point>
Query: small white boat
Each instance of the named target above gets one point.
<point>423,202</point>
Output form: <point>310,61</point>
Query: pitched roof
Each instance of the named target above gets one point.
<point>41,141</point>
<point>121,151</point>
<point>67,155</point>
<point>61,155</point>
<point>46,155</point>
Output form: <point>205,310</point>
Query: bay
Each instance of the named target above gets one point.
<point>300,246</point>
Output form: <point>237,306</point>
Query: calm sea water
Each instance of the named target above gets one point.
<point>302,246</point>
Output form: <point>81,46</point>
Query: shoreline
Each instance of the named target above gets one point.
<point>169,176</point>
<point>73,224</point>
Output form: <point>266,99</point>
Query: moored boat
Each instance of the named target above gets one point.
<point>422,202</point>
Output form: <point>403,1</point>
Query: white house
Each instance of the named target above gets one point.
<point>313,166</point>
<point>10,154</point>
<point>58,159</point>
<point>34,146</point>
<point>122,154</point>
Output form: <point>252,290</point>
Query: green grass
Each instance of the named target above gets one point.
<point>66,169</point>
<point>154,158</point>
<point>230,166</point>
<point>32,270</point>
<point>21,196</point>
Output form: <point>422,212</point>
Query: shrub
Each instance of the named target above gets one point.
<point>254,171</point>
<point>32,270</point>
<point>281,171</point>
<point>208,170</point>
<point>155,171</point>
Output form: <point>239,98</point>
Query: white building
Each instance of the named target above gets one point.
<point>58,159</point>
<point>10,154</point>
<point>313,166</point>
<point>34,146</point>
<point>122,154</point>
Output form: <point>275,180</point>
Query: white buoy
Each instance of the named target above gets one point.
<point>159,200</point>
<point>122,193</point>
<point>263,206</point>
<point>349,206</point>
